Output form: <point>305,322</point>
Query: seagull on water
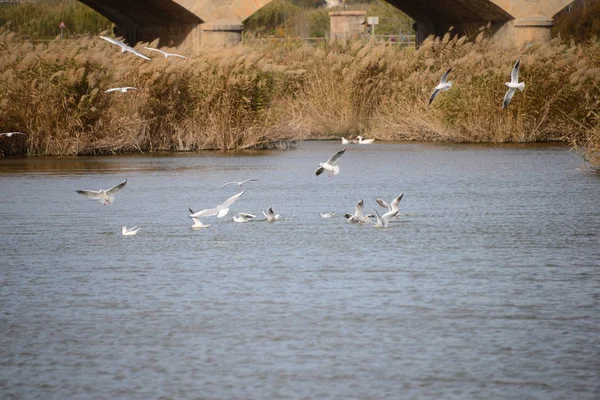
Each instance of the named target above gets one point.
<point>129,231</point>
<point>331,164</point>
<point>270,215</point>
<point>240,183</point>
<point>220,210</point>
<point>513,85</point>
<point>125,48</point>
<point>120,89</point>
<point>104,196</point>
<point>327,214</point>
<point>382,221</point>
<point>243,217</point>
<point>364,141</point>
<point>10,134</point>
<point>167,55</point>
<point>197,223</point>
<point>348,141</point>
<point>393,206</point>
<point>443,85</point>
<point>358,217</point>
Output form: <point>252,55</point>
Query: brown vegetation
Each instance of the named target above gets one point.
<point>253,95</point>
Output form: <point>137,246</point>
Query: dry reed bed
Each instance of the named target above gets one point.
<point>250,96</point>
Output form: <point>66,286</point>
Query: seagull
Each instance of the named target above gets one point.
<point>443,85</point>
<point>243,217</point>
<point>104,196</point>
<point>129,231</point>
<point>238,183</point>
<point>382,221</point>
<point>120,89</point>
<point>513,85</point>
<point>167,55</point>
<point>393,206</point>
<point>9,134</point>
<point>197,223</point>
<point>327,214</point>
<point>271,216</point>
<point>358,217</point>
<point>220,210</point>
<point>364,141</point>
<point>125,48</point>
<point>331,164</point>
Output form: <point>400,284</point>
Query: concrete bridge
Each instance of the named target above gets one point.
<point>197,23</point>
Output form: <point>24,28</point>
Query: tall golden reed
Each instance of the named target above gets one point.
<point>263,92</point>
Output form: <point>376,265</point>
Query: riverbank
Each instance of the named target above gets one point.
<point>252,95</point>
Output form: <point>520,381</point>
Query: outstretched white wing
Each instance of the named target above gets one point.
<point>333,159</point>
<point>227,203</point>
<point>507,97</point>
<point>383,204</point>
<point>91,194</point>
<point>514,74</point>
<point>445,76</point>
<point>116,188</point>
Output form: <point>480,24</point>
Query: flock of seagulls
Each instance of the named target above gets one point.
<point>513,85</point>
<point>107,197</point>
<point>126,48</point>
<point>330,165</point>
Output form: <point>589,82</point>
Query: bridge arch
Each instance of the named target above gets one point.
<point>178,22</point>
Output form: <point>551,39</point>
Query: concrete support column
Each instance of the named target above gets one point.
<point>532,29</point>
<point>423,30</point>
<point>346,25</point>
<point>185,38</point>
<point>222,33</point>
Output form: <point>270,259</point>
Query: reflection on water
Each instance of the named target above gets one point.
<point>489,286</point>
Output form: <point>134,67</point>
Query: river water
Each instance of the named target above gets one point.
<point>488,287</point>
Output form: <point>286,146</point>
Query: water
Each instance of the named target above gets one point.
<point>489,287</point>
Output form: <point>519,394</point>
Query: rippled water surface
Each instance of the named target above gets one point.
<point>489,287</point>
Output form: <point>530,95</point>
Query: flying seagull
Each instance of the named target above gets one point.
<point>129,231</point>
<point>125,48</point>
<point>243,217</point>
<point>358,217</point>
<point>331,164</point>
<point>167,55</point>
<point>238,183</point>
<point>382,221</point>
<point>10,134</point>
<point>197,223</point>
<point>270,215</point>
<point>394,204</point>
<point>443,85</point>
<point>220,210</point>
<point>104,196</point>
<point>513,85</point>
<point>120,89</point>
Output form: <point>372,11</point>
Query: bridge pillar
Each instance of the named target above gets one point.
<point>222,33</point>
<point>346,25</point>
<point>184,37</point>
<point>532,29</point>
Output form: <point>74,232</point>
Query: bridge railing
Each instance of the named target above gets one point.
<point>393,40</point>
